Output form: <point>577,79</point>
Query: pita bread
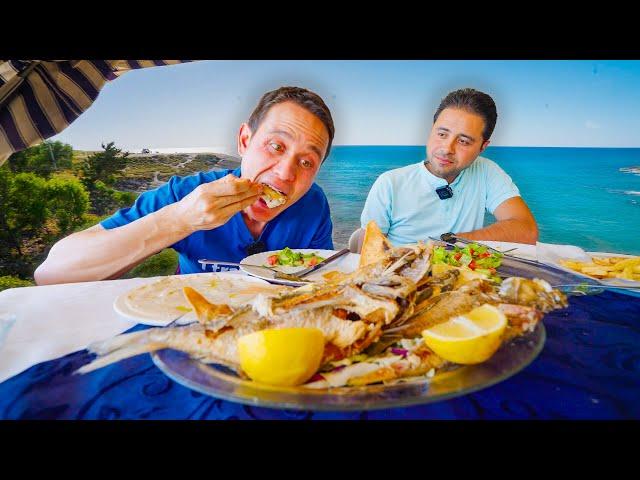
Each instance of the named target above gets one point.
<point>374,246</point>
<point>164,299</point>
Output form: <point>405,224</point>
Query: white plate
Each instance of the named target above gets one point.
<point>153,312</point>
<point>347,264</point>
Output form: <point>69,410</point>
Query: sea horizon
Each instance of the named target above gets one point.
<point>589,197</point>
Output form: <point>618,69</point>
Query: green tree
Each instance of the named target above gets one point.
<point>34,211</point>
<point>103,166</point>
<point>42,159</point>
<point>23,198</point>
<point>67,203</point>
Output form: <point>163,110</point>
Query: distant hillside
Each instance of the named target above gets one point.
<point>147,171</point>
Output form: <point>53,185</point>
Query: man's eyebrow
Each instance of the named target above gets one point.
<point>468,136</point>
<point>281,132</point>
<point>288,135</point>
<point>445,129</point>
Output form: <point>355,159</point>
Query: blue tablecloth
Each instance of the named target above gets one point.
<point>589,369</point>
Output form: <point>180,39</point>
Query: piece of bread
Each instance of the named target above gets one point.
<point>272,197</point>
<point>374,246</point>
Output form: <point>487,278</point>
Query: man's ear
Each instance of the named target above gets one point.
<point>484,146</point>
<point>244,137</point>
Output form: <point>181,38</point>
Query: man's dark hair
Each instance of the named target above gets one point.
<point>300,96</point>
<point>472,101</point>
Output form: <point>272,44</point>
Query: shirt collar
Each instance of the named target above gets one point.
<point>437,182</point>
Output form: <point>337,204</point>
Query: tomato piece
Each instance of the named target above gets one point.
<point>472,265</point>
<point>313,261</point>
<point>457,256</point>
<point>485,255</point>
<point>272,259</point>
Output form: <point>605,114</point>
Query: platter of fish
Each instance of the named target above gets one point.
<point>393,332</point>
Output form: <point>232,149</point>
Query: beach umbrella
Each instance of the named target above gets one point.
<point>40,98</point>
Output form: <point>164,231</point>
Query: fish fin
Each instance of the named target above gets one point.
<point>205,310</point>
<point>375,245</point>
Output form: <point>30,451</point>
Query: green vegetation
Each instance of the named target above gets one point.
<point>163,263</point>
<point>43,159</point>
<point>49,191</point>
<point>14,282</point>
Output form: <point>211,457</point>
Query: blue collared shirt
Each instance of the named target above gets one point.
<point>305,224</point>
<point>406,207</point>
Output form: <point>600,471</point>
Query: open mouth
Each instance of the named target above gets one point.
<point>272,196</point>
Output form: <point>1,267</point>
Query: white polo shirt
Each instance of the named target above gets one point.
<point>406,207</point>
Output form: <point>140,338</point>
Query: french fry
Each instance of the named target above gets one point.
<point>597,271</point>
<point>607,267</point>
<point>607,260</point>
<point>620,266</point>
<point>569,264</point>
<point>628,273</point>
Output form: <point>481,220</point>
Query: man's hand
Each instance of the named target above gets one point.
<point>212,204</point>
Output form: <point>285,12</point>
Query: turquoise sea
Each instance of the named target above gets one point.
<point>588,197</point>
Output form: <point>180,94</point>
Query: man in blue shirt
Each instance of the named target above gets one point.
<point>451,190</point>
<point>220,215</point>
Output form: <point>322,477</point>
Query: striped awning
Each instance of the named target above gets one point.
<point>40,98</point>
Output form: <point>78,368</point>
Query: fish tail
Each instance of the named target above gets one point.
<point>121,347</point>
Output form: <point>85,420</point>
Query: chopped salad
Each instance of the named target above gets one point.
<point>473,256</point>
<point>288,257</point>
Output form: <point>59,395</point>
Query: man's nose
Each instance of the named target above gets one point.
<point>449,145</point>
<point>286,168</point>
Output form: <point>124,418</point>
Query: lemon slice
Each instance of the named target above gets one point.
<point>281,357</point>
<point>470,338</point>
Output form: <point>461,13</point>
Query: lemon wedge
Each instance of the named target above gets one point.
<point>281,357</point>
<point>470,338</point>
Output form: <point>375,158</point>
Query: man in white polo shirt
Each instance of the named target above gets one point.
<point>450,191</point>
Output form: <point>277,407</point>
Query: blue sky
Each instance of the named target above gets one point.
<point>202,104</point>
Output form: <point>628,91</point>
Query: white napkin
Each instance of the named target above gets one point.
<point>552,254</point>
<point>55,320</point>
<point>522,250</point>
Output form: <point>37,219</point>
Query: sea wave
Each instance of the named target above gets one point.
<point>623,192</point>
<point>631,170</point>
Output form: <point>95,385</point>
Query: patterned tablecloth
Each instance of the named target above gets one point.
<point>589,369</point>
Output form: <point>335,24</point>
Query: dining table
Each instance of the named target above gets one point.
<point>588,368</point>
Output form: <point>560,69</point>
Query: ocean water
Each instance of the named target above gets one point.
<point>588,197</point>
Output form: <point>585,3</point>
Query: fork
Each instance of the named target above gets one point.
<point>589,289</point>
<point>174,322</point>
<point>278,274</point>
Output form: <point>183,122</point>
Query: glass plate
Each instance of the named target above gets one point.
<point>220,382</point>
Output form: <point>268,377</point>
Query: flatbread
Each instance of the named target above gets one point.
<point>165,300</point>
<point>374,246</point>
